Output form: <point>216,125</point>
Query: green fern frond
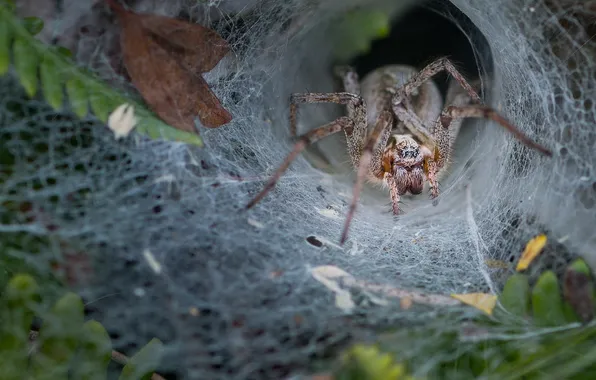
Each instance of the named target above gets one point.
<point>38,66</point>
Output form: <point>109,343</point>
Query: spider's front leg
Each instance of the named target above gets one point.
<point>353,125</point>
<point>440,138</point>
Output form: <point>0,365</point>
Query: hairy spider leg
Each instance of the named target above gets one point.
<point>438,139</point>
<point>306,139</point>
<point>384,122</point>
<point>478,111</point>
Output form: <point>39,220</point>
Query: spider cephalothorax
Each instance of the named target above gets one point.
<point>395,130</point>
<point>405,167</point>
<point>405,159</point>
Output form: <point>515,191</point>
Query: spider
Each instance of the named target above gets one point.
<point>396,131</point>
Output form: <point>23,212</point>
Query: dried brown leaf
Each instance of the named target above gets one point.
<point>577,290</point>
<point>164,59</point>
<point>200,48</point>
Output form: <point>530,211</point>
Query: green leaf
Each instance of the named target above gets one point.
<point>580,266</point>
<point>104,101</point>
<point>356,31</point>
<point>64,52</point>
<point>144,363</point>
<point>516,295</point>
<point>25,62</point>
<point>156,129</point>
<point>16,315</point>
<point>58,339</point>
<point>51,83</point>
<point>33,25</point>
<point>547,305</point>
<point>5,39</point>
<point>8,5</point>
<point>77,94</point>
<point>94,353</point>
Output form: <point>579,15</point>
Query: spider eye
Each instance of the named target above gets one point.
<point>409,152</point>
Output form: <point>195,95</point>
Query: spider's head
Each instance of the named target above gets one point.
<point>404,158</point>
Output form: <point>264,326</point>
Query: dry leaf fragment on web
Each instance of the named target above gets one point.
<point>330,276</point>
<point>533,249</point>
<point>165,58</point>
<point>481,301</point>
<point>578,290</point>
<point>122,120</point>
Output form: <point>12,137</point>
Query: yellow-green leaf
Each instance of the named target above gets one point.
<point>94,353</point>
<point>144,362</point>
<point>532,250</point>
<point>547,305</point>
<point>77,96</point>
<point>33,25</point>
<point>25,63</point>
<point>16,315</point>
<point>481,301</point>
<point>51,83</point>
<point>368,362</point>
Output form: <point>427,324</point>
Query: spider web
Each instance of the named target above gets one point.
<point>233,292</point>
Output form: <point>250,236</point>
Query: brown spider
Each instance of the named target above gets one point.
<point>396,133</point>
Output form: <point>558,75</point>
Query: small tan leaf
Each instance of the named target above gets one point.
<point>122,121</point>
<point>330,275</point>
<point>406,303</point>
<point>533,249</point>
<point>481,301</point>
<point>496,264</point>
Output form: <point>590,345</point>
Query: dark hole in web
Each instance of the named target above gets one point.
<point>314,241</point>
<point>426,32</point>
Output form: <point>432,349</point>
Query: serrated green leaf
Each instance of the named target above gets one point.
<point>144,362</point>
<point>25,63</point>
<point>94,353</point>
<point>34,25</point>
<point>516,295</point>
<point>77,95</point>
<point>547,305</point>
<point>51,83</point>
<point>5,39</point>
<point>58,339</point>
<point>16,315</point>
